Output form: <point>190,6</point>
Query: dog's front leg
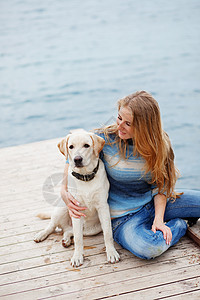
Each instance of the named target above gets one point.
<point>77,258</point>
<point>104,217</point>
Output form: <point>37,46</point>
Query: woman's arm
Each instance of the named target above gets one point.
<point>160,201</point>
<point>70,201</point>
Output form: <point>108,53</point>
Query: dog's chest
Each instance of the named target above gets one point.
<point>89,198</point>
<point>91,193</point>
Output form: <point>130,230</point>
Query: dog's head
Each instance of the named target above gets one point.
<point>81,147</point>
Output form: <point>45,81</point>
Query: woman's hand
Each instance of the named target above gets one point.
<point>75,210</point>
<point>160,201</point>
<point>159,225</point>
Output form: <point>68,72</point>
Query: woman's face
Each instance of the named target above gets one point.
<point>125,123</point>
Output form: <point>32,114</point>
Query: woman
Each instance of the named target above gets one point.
<point>147,214</point>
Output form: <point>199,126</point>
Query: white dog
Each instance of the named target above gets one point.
<point>88,183</point>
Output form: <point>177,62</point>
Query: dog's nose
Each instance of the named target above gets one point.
<point>78,161</point>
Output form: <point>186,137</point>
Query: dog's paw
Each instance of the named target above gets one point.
<point>40,236</point>
<point>66,242</point>
<point>112,256</point>
<point>77,260</point>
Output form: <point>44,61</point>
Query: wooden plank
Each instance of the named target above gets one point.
<point>107,284</point>
<point>164,291</point>
<point>54,245</point>
<point>194,295</point>
<point>32,208</point>
<point>21,223</point>
<point>194,233</point>
<point>30,214</point>
<point>58,261</point>
<point>70,274</point>
<point>58,264</point>
<point>30,211</point>
<point>57,258</point>
<point>31,228</point>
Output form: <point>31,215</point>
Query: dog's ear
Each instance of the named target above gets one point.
<point>98,143</point>
<point>63,146</point>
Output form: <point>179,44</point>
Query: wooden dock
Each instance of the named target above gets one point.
<point>30,183</point>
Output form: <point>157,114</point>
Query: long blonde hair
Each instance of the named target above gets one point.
<point>150,141</point>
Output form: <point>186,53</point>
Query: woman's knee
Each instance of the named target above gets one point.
<point>178,228</point>
<point>146,244</point>
<point>143,243</point>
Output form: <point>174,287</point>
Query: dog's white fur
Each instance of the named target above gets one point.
<point>92,194</point>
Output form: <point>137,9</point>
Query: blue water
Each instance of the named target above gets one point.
<point>64,64</point>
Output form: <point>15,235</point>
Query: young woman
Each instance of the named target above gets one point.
<point>147,213</point>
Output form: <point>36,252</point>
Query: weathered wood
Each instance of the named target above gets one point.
<point>57,263</point>
<point>194,233</point>
<point>177,290</point>
<point>34,271</point>
<point>120,271</point>
<point>110,284</point>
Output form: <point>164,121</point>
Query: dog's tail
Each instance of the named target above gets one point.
<point>44,216</point>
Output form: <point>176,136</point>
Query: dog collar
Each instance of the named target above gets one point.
<point>86,177</point>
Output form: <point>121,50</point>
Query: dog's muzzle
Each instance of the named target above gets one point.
<point>78,160</point>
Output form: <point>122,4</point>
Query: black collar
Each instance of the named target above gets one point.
<point>86,177</point>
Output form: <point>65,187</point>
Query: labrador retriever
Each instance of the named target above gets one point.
<point>88,184</point>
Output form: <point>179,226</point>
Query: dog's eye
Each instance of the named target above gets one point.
<point>71,147</point>
<point>86,146</point>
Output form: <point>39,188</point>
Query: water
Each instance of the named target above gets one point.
<point>64,64</point>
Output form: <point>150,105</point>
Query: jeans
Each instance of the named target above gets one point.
<point>133,231</point>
